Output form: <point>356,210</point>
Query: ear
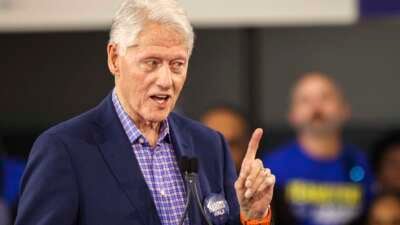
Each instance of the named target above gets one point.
<point>113,59</point>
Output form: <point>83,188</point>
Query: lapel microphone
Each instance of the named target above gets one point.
<point>189,167</point>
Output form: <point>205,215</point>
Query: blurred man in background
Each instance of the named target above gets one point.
<point>322,180</point>
<point>233,125</point>
<point>386,161</point>
<point>385,210</point>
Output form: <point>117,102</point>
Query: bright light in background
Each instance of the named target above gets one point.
<point>271,12</point>
<point>28,15</point>
<point>4,4</point>
<point>43,15</point>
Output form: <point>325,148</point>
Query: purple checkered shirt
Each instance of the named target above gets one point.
<point>159,167</point>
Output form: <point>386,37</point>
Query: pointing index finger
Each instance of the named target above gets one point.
<point>253,145</point>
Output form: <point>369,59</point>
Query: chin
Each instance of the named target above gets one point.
<point>157,117</point>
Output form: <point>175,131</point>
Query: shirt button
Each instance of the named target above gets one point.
<point>162,192</point>
<point>141,140</point>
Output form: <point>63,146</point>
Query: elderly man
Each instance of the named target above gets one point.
<point>323,180</point>
<point>117,163</point>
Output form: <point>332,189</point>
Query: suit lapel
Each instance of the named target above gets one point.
<point>183,146</point>
<point>181,140</point>
<point>117,153</point>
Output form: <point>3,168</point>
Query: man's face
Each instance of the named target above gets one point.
<point>317,106</point>
<point>233,128</point>
<point>385,212</point>
<point>150,76</point>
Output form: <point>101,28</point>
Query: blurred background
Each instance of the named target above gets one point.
<point>53,60</point>
<point>247,54</point>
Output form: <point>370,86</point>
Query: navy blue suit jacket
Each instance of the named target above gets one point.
<point>83,172</point>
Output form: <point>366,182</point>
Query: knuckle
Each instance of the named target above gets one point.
<point>257,181</point>
<point>256,164</point>
<point>264,175</point>
<point>250,181</point>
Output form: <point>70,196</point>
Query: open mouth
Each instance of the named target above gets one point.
<point>161,99</point>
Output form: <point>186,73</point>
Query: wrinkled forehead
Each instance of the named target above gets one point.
<point>316,85</point>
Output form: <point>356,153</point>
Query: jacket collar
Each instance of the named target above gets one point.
<point>116,149</point>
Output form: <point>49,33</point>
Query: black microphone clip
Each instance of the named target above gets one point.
<point>189,167</point>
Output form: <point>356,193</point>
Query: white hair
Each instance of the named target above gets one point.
<point>132,15</point>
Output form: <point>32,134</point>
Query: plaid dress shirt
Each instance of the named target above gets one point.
<point>159,167</point>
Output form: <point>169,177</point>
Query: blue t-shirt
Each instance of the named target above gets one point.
<point>321,192</point>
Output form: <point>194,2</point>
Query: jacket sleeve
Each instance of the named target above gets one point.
<point>49,193</point>
<point>230,177</point>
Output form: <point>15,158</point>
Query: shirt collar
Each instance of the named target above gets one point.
<point>129,126</point>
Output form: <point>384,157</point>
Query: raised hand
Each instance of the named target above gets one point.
<point>255,184</point>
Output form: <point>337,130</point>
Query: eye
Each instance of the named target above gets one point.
<point>150,64</point>
<point>177,66</point>
<point>303,100</point>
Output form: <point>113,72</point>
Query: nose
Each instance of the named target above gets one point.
<point>317,102</point>
<point>164,78</point>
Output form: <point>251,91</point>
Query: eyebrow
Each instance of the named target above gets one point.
<point>178,56</point>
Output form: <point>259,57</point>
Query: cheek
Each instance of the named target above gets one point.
<point>302,112</point>
<point>296,117</point>
<point>130,84</point>
<point>179,81</point>
<point>334,110</point>
<point>134,84</point>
